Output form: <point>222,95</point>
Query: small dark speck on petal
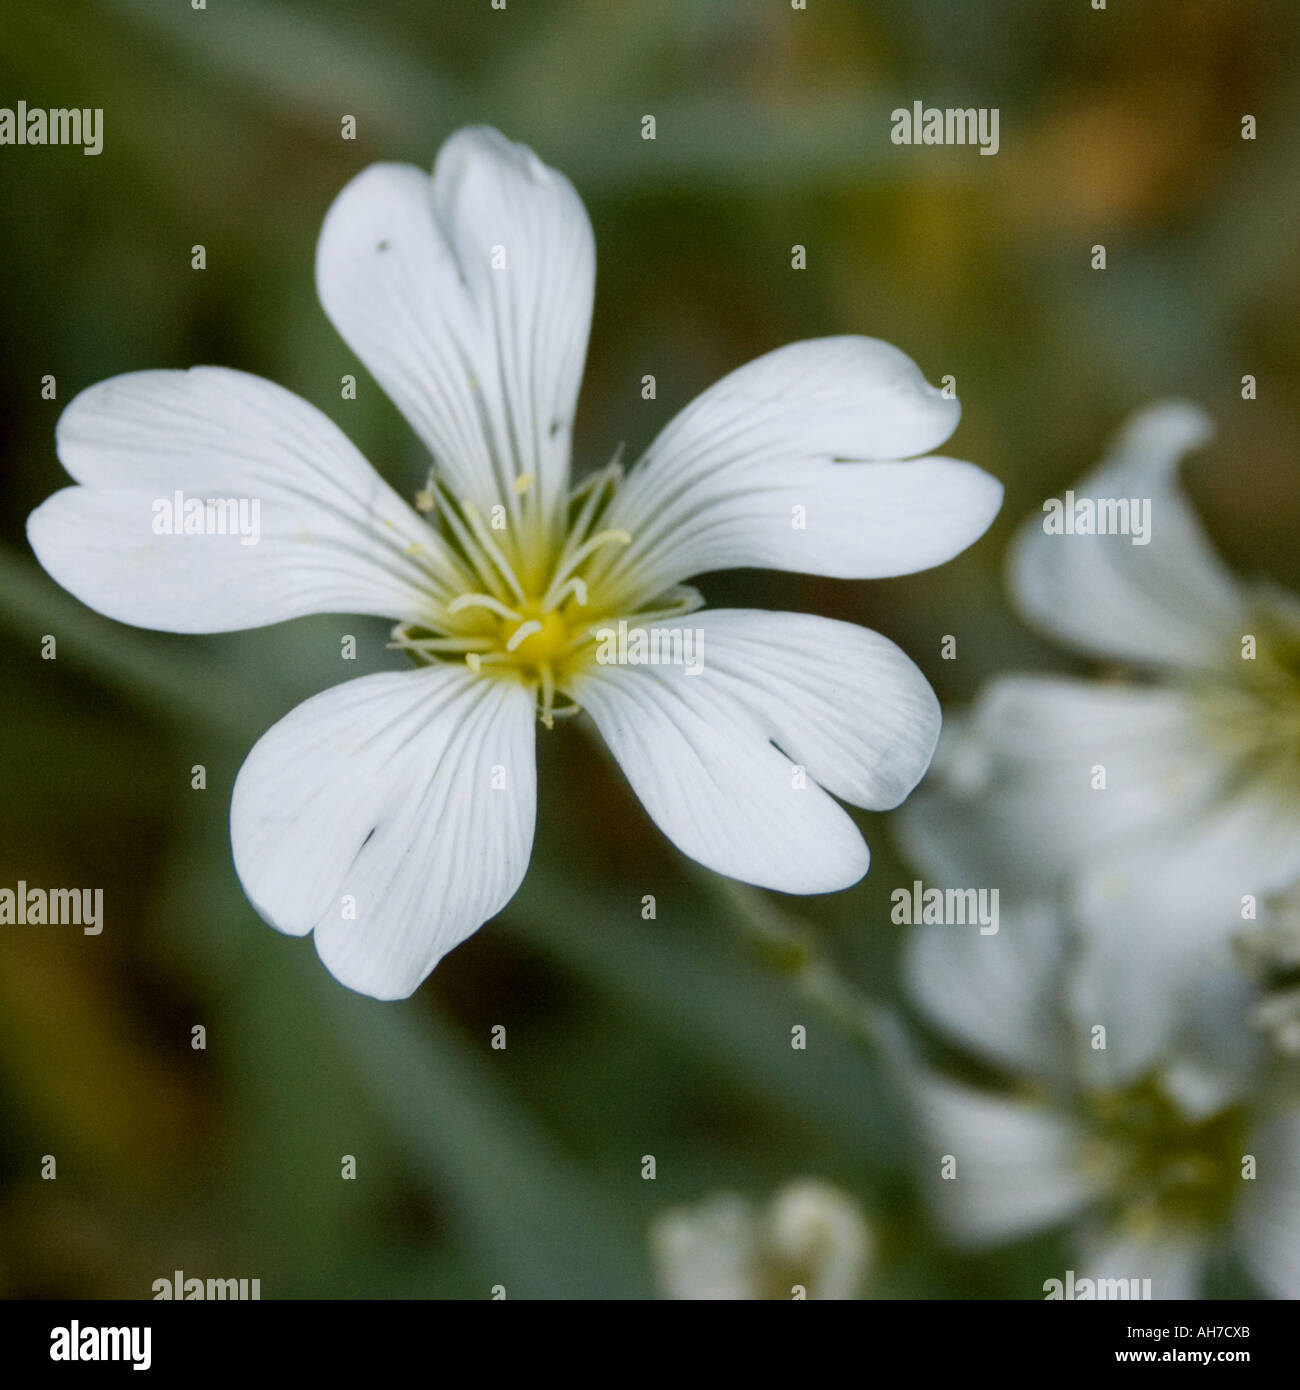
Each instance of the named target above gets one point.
<point>381,246</point>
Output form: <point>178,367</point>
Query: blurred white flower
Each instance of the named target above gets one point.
<point>810,1237</point>
<point>1270,953</point>
<point>393,814</point>
<point>1163,807</point>
<point>1155,1176</point>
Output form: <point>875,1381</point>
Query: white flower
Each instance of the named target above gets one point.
<point>1152,1175</point>
<point>394,814</point>
<point>1270,953</point>
<point>1198,818</point>
<point>811,1236</point>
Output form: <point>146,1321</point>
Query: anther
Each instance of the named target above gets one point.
<point>573,585</point>
<point>494,605</point>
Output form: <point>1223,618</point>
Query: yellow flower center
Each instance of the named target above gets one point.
<point>1256,717</point>
<point>1163,1168</point>
<point>540,639</point>
<point>522,606</point>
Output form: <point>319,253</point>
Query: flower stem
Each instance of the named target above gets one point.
<point>790,946</point>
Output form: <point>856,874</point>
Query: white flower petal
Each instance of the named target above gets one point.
<point>997,995</point>
<point>1174,1265</point>
<point>818,426</point>
<point>1268,1220</point>
<point>1018,1165</point>
<point>699,756</point>
<point>1169,602</point>
<point>840,700</point>
<point>820,1232</point>
<point>484,360</point>
<point>1157,924</point>
<point>709,1252</point>
<point>333,537</point>
<point>1021,810</point>
<point>937,830</point>
<point>412,794</point>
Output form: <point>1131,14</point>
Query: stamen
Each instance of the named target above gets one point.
<point>595,486</point>
<point>484,538</point>
<point>427,498</point>
<point>477,661</point>
<point>687,600</point>
<point>615,535</point>
<point>611,472</point>
<point>522,483</point>
<point>481,563</point>
<point>494,605</point>
<point>573,585</point>
<point>522,633</point>
<point>442,644</point>
<point>548,695</point>
<point>681,600</point>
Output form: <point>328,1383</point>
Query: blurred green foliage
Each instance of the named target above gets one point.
<point>625,1037</point>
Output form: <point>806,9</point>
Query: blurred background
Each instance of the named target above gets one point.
<point>626,1037</point>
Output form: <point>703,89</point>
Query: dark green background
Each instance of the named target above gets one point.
<point>625,1037</point>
